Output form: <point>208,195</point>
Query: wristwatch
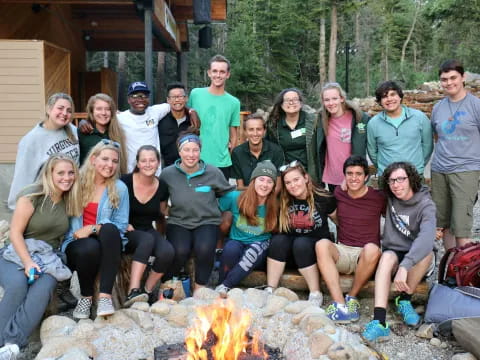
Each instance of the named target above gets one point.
<point>94,229</point>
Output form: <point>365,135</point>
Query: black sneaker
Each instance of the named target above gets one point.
<point>135,295</point>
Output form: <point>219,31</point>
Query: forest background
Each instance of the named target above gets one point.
<point>275,44</point>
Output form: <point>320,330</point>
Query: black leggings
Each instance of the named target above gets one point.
<point>303,248</point>
<point>145,243</point>
<point>202,241</point>
<point>91,255</point>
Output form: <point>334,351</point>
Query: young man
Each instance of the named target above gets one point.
<point>179,119</point>
<point>398,133</point>
<point>456,162</point>
<point>246,156</point>
<point>358,250</point>
<point>407,244</point>
<point>219,113</point>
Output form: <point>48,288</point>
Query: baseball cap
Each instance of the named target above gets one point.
<point>138,86</point>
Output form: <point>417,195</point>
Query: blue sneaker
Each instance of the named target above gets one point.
<point>353,307</point>
<point>337,314</point>
<point>374,331</point>
<point>405,308</point>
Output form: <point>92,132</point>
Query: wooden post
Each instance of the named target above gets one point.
<point>147,13</point>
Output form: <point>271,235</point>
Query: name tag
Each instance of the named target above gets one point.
<point>297,133</point>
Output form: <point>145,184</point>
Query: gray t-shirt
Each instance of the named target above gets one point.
<point>458,146</point>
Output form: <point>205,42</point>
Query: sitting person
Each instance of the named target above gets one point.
<point>145,193</point>
<point>304,211</point>
<point>358,249</point>
<point>93,243</point>
<point>41,216</point>
<point>408,240</point>
<point>194,216</point>
<point>254,218</point>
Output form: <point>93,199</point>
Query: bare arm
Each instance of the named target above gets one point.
<point>85,127</point>
<point>233,138</point>
<point>240,185</point>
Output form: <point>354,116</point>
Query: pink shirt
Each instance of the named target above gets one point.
<point>339,148</point>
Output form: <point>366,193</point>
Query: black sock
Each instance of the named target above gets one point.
<point>380,314</point>
<point>405,296</point>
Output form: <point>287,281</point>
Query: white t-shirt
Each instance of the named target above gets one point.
<point>141,130</point>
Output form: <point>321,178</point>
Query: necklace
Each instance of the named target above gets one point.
<point>452,114</point>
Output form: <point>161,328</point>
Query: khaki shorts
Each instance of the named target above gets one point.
<point>454,196</point>
<point>347,258</point>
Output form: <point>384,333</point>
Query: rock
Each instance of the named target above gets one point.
<point>57,346</point>
<point>256,297</point>
<point>341,351</point>
<point>435,342</point>
<point>205,294</point>
<point>236,295</point>
<point>463,356</point>
<point>75,354</point>
<point>119,319</point>
<point>274,305</point>
<point>311,310</point>
<point>140,305</point>
<point>425,331</point>
<point>355,328</point>
<point>141,318</point>
<point>319,343</point>
<point>56,325</point>
<point>444,345</point>
<point>286,293</point>
<point>178,315</point>
<point>420,309</point>
<point>297,306</point>
<point>85,329</point>
<point>161,308</point>
<point>311,323</point>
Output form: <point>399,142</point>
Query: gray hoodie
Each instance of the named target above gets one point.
<point>410,227</point>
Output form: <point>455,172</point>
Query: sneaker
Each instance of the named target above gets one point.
<point>316,298</point>
<point>135,295</point>
<point>374,331</point>
<point>353,307</point>
<point>222,290</point>
<point>269,290</point>
<point>9,352</point>
<point>82,310</point>
<point>105,306</point>
<point>405,308</point>
<point>337,314</point>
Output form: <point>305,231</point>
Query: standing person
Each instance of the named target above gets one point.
<point>53,135</point>
<point>102,117</point>
<point>304,210</point>
<point>456,161</point>
<point>194,216</point>
<point>256,149</point>
<point>179,119</point>
<point>146,193</point>
<point>343,133</point>
<point>41,215</point>
<point>358,249</point>
<point>93,243</point>
<point>398,133</point>
<point>254,218</point>
<point>219,113</point>
<point>295,130</point>
<point>407,245</point>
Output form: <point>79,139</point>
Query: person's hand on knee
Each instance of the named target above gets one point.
<point>400,280</point>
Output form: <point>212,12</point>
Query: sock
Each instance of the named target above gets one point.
<point>405,296</point>
<point>380,314</point>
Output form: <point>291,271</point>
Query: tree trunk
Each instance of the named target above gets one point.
<point>357,28</point>
<point>160,95</point>
<point>386,57</point>
<point>322,66</point>
<point>367,68</point>
<point>407,40</point>
<point>122,80</point>
<point>332,55</point>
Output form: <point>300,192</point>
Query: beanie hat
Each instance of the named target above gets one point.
<point>264,168</point>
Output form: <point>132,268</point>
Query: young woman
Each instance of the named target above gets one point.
<point>55,134</point>
<point>93,243</point>
<point>102,116</point>
<point>343,133</point>
<point>304,211</point>
<point>145,193</point>
<point>194,216</point>
<point>41,216</point>
<point>295,130</point>
<point>254,218</point>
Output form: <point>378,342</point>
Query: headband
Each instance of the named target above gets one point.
<point>188,138</point>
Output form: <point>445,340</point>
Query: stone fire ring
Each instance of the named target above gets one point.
<point>298,329</point>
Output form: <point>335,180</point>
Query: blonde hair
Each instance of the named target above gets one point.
<point>325,114</point>
<point>52,100</point>
<point>47,187</point>
<point>87,175</point>
<point>114,130</point>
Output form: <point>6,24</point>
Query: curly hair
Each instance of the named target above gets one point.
<point>414,178</point>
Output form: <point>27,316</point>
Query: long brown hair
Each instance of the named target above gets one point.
<point>248,203</point>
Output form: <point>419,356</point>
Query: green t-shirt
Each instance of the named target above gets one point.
<point>217,114</point>
<point>48,222</point>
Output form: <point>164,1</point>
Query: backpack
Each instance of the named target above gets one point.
<point>460,266</point>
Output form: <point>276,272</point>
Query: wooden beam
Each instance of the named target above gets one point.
<point>183,10</point>
<point>122,45</point>
<point>71,2</point>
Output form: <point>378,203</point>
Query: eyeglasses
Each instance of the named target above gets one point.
<point>293,164</point>
<point>177,97</point>
<point>111,142</point>
<point>291,101</point>
<point>139,96</point>
<point>399,180</point>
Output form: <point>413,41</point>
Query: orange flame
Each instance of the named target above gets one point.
<point>230,326</point>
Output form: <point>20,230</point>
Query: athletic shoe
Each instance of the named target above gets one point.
<point>353,307</point>
<point>222,290</point>
<point>269,290</point>
<point>337,314</point>
<point>9,352</point>
<point>135,295</point>
<point>82,310</point>
<point>374,331</point>
<point>316,298</point>
<point>105,307</point>
<point>405,308</point>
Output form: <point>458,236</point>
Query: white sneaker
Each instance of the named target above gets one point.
<point>9,352</point>
<point>269,290</point>
<point>222,290</point>
<point>316,298</point>
<point>105,306</point>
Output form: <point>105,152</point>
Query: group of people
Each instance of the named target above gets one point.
<point>297,171</point>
